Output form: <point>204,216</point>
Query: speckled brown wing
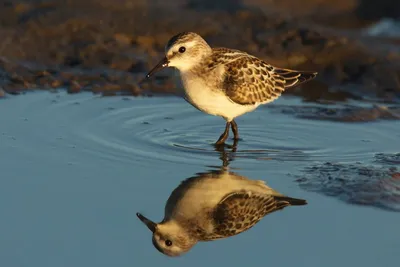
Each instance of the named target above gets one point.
<point>248,80</point>
<point>239,211</point>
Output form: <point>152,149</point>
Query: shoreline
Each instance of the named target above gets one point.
<point>108,46</point>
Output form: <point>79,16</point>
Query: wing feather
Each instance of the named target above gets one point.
<point>248,80</point>
<point>240,211</point>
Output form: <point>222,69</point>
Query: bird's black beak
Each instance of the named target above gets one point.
<point>162,64</point>
<point>150,224</point>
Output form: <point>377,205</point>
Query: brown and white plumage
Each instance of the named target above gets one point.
<point>248,80</point>
<point>214,205</point>
<point>226,82</point>
<point>240,211</point>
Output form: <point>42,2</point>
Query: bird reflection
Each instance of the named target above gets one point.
<point>213,205</point>
<point>226,156</point>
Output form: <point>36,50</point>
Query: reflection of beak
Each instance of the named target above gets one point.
<point>162,64</point>
<point>150,224</point>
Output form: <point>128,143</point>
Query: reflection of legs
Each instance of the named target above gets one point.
<point>226,155</point>
<point>235,130</point>
<point>235,143</point>
<point>224,135</point>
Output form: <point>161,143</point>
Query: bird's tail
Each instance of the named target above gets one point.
<point>295,77</point>
<point>291,201</point>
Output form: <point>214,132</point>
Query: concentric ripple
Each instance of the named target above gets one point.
<point>167,129</point>
<point>149,135</point>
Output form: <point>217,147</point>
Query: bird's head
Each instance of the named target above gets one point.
<point>169,237</point>
<point>183,51</point>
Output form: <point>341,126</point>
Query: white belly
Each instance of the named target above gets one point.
<point>211,101</point>
<point>207,192</point>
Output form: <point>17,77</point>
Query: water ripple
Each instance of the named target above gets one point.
<point>155,130</point>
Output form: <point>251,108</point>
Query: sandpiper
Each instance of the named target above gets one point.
<point>225,82</point>
<point>213,205</point>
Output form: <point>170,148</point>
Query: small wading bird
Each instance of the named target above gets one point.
<point>225,82</point>
<point>213,205</point>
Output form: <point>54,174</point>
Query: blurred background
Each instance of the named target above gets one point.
<point>108,45</point>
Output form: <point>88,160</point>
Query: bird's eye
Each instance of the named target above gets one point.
<point>182,49</point>
<point>168,243</point>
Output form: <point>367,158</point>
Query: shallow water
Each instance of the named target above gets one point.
<point>76,168</point>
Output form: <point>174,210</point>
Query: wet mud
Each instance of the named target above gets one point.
<point>342,113</point>
<point>376,184</point>
<point>108,46</point>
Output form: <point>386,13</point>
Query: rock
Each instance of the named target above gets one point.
<point>74,87</point>
<point>105,87</point>
<point>13,88</point>
<point>56,84</point>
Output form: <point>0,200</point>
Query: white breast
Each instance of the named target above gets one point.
<point>211,100</point>
<point>206,193</point>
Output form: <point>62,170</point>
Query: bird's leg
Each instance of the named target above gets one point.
<point>224,135</point>
<point>235,130</point>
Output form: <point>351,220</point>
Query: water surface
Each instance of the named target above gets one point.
<point>76,168</point>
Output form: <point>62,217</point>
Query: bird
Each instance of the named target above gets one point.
<point>213,205</point>
<point>225,82</point>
